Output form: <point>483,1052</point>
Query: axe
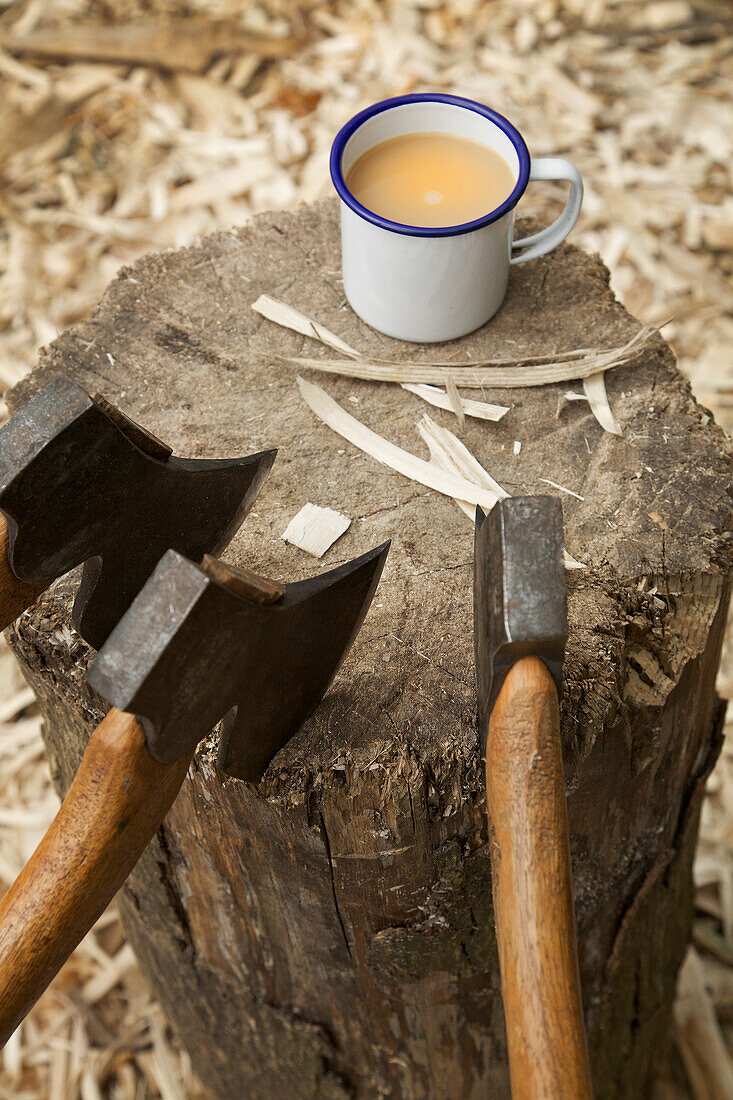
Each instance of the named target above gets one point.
<point>520,624</point>
<point>200,643</point>
<point>80,482</point>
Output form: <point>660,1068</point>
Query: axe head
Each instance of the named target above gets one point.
<point>193,650</point>
<point>519,593</point>
<point>80,482</point>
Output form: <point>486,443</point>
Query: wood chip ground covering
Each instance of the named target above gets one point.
<point>119,147</point>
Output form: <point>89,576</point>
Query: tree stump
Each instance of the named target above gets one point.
<point>329,932</point>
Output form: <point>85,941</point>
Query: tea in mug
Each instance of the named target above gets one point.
<point>430,179</point>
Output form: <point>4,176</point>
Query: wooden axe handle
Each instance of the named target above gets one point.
<point>532,886</point>
<point>15,595</point>
<point>114,806</point>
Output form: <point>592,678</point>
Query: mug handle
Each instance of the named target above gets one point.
<point>552,168</point>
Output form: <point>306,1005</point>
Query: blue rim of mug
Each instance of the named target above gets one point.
<point>347,131</point>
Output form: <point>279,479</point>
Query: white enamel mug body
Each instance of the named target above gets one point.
<point>429,284</point>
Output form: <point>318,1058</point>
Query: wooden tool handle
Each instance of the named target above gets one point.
<point>15,595</point>
<point>117,801</point>
<point>533,897</point>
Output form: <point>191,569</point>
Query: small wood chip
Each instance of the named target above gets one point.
<point>315,529</point>
<point>11,707</point>
<point>108,975</point>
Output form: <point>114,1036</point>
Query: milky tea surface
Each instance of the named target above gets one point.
<point>430,179</point>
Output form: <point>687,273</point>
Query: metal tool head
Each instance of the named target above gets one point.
<point>191,650</point>
<point>80,482</point>
<point>519,593</point>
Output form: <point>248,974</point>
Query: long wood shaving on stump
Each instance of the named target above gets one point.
<point>512,373</point>
<point>507,375</point>
<point>578,361</point>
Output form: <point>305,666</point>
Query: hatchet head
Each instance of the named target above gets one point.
<point>80,482</point>
<point>202,643</point>
<point>519,593</point>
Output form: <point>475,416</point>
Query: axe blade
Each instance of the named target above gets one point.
<point>81,483</point>
<point>519,593</point>
<point>190,651</point>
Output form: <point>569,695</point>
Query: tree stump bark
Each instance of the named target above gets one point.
<point>329,933</point>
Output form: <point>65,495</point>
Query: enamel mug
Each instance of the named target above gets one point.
<point>438,283</point>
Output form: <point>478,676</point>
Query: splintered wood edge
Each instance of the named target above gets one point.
<point>250,586</point>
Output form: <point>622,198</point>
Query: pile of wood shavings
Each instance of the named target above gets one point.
<point>103,157</point>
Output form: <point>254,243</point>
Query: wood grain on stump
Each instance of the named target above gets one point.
<point>329,933</point>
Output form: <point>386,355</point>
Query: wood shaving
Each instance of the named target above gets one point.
<point>565,399</point>
<point>450,454</point>
<point>521,371</point>
<point>452,470</point>
<point>510,374</point>
<point>454,399</point>
<point>561,488</point>
<point>288,317</point>
<point>315,529</point>
<point>482,410</point>
<point>595,390</point>
<point>283,314</point>
<point>347,426</point>
<point>445,447</point>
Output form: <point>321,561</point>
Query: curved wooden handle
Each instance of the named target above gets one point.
<point>15,595</point>
<point>114,806</point>
<point>532,886</point>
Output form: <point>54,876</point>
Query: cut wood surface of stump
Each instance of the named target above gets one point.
<point>329,932</point>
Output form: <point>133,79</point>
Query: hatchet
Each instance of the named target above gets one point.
<point>81,482</point>
<point>200,643</point>
<point>520,623</point>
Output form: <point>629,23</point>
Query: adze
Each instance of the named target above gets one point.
<point>520,623</point>
<point>80,482</point>
<point>200,643</point>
